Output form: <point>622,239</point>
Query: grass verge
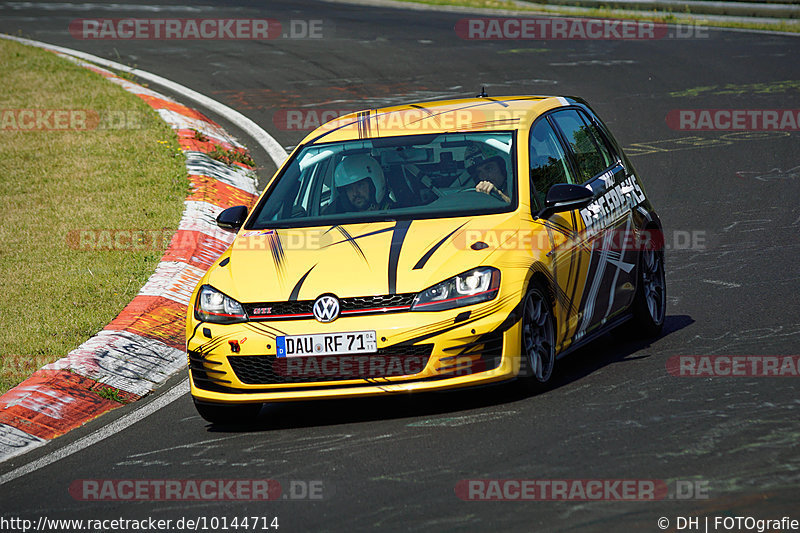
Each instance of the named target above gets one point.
<point>125,173</point>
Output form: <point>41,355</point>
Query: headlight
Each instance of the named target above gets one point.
<point>213,306</point>
<point>471,287</point>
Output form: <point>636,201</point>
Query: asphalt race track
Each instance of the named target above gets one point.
<point>730,206</point>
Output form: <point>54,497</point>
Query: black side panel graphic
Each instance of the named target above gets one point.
<point>561,297</point>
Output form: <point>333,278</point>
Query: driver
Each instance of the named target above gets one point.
<point>359,182</point>
<point>488,168</point>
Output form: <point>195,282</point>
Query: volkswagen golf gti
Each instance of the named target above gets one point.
<point>426,247</point>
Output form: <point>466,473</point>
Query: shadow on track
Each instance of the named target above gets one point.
<point>609,349</point>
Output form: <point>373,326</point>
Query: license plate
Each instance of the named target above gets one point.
<point>326,344</point>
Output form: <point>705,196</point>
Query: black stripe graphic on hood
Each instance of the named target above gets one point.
<point>276,248</point>
<point>370,234</point>
<point>424,259</point>
<point>398,235</point>
<point>349,238</point>
<point>296,289</point>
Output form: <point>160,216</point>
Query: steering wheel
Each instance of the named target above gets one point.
<point>495,193</point>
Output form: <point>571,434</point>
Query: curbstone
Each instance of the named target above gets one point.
<point>143,346</point>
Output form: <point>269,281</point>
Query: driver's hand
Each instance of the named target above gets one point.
<point>485,187</point>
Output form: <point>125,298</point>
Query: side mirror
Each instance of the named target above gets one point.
<point>565,197</point>
<point>232,218</point>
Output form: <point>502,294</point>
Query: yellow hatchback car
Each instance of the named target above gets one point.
<point>426,247</point>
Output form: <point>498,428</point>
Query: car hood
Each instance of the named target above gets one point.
<point>348,260</point>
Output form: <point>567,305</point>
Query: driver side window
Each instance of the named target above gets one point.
<point>547,161</point>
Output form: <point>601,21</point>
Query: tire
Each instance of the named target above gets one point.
<point>650,301</point>
<point>228,414</point>
<point>538,339</point>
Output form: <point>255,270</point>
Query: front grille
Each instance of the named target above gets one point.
<point>387,362</point>
<point>357,305</point>
<point>279,308</point>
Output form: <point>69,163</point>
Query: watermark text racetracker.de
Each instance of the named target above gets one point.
<point>580,490</point>
<point>29,120</point>
<point>557,28</point>
<point>348,366</point>
<point>734,119</point>
<point>159,29</point>
<point>118,240</point>
<point>733,366</point>
<point>130,239</point>
<point>613,240</point>
<point>306,119</point>
<point>195,490</point>
<point>109,525</point>
<point>517,239</point>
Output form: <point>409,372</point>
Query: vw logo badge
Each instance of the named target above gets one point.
<point>326,308</point>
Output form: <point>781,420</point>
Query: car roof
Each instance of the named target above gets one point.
<point>503,113</point>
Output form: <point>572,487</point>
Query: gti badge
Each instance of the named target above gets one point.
<point>326,308</point>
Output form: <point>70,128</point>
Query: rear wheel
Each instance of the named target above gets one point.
<point>538,339</point>
<point>228,414</point>
<point>650,301</point>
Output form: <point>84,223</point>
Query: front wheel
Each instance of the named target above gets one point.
<point>228,414</point>
<point>538,339</point>
<point>650,301</point>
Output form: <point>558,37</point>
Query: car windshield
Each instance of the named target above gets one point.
<point>414,176</point>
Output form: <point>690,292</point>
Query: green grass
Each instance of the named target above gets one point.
<point>669,18</point>
<point>741,89</point>
<point>230,157</point>
<point>56,182</point>
<point>110,394</point>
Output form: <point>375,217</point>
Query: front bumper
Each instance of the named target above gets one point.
<point>417,352</point>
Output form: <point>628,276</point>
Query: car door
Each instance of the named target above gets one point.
<point>569,255</point>
<point>607,223</point>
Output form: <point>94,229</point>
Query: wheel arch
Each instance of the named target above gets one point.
<point>540,275</point>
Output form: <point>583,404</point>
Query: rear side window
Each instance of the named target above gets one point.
<point>591,155</point>
<point>547,159</point>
